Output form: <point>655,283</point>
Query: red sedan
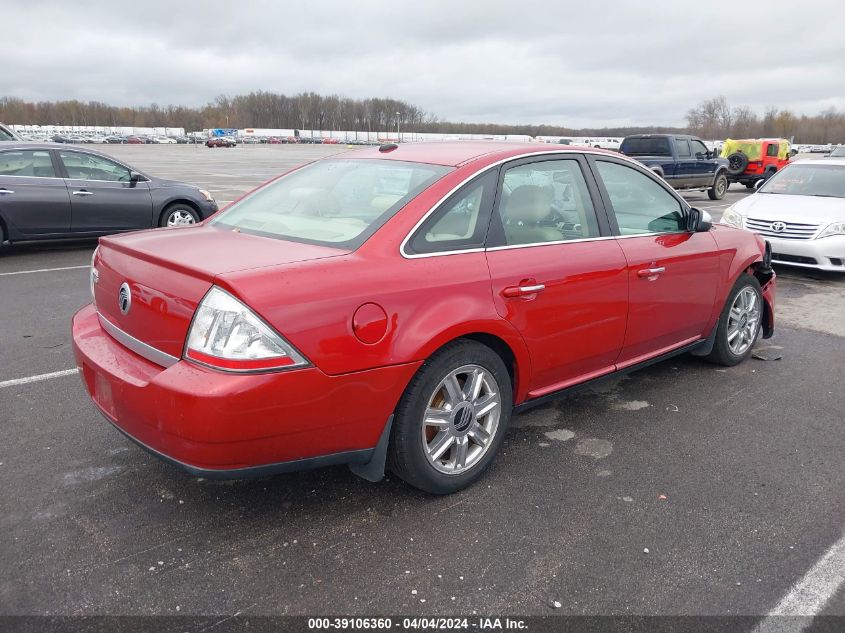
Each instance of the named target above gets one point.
<point>394,306</point>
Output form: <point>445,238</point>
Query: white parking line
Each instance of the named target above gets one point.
<point>38,378</point>
<point>810,594</point>
<point>43,270</point>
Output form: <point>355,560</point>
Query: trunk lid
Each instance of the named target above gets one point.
<point>168,271</point>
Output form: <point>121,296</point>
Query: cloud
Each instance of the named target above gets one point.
<point>568,63</point>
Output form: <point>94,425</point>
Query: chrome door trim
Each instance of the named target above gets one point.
<point>574,150</point>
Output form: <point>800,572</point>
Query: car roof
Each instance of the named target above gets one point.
<point>684,136</point>
<point>457,153</point>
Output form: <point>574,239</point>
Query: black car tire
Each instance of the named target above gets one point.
<point>719,188</point>
<point>722,354</point>
<point>737,162</point>
<point>175,209</point>
<point>407,453</point>
<point>751,185</point>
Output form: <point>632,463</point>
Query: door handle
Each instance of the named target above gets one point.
<point>6,191</point>
<point>523,290</point>
<point>82,192</point>
<point>651,272</point>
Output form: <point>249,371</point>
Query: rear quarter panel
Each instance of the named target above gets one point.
<point>428,302</point>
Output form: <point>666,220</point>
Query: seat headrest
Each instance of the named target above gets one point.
<point>529,203</point>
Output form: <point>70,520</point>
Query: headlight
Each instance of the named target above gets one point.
<point>205,194</point>
<point>227,335</point>
<point>93,274</point>
<point>837,228</point>
<point>732,218</point>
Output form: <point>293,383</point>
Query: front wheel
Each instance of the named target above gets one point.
<point>719,188</point>
<point>179,215</point>
<point>739,324</point>
<point>452,419</point>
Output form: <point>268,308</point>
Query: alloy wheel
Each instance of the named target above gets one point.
<point>743,321</point>
<point>180,218</point>
<point>461,419</point>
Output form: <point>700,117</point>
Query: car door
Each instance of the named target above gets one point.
<point>673,272</point>
<point>686,167</point>
<point>103,198</point>
<point>705,167</point>
<point>34,201</point>
<point>556,274</point>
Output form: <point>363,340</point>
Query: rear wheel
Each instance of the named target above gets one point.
<point>751,185</point>
<point>739,324</point>
<point>452,419</point>
<point>179,214</point>
<point>719,188</point>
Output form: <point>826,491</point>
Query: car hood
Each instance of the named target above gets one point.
<point>161,182</point>
<point>168,272</point>
<point>788,208</point>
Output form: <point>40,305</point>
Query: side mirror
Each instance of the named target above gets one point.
<point>134,176</point>
<point>759,183</point>
<point>699,221</point>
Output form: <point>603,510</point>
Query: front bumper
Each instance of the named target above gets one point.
<point>216,424</point>
<point>827,253</point>
<point>208,208</point>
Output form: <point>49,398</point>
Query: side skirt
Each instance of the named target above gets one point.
<point>556,395</point>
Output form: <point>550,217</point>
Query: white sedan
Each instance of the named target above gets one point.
<point>801,212</point>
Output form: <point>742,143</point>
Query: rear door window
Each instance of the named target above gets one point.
<point>31,163</point>
<point>546,201</point>
<point>658,146</point>
<point>682,147</point>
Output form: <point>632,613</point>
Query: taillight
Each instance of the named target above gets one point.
<point>227,335</point>
<point>93,273</point>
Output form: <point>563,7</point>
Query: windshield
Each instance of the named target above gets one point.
<point>6,135</point>
<point>838,152</point>
<point>646,147</point>
<point>804,179</point>
<point>331,202</point>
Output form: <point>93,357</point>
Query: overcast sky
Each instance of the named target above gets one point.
<point>583,63</point>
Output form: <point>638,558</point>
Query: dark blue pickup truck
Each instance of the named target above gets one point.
<point>683,161</point>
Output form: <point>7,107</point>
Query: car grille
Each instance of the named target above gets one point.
<point>791,231</point>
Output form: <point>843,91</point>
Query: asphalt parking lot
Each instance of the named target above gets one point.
<point>749,460</point>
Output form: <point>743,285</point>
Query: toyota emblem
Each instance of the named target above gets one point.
<point>124,298</point>
<point>778,227</point>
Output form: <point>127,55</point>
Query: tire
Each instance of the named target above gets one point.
<point>727,352</point>
<point>737,162</point>
<point>719,188</point>
<point>751,185</point>
<point>769,173</point>
<point>179,214</point>
<point>412,453</point>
